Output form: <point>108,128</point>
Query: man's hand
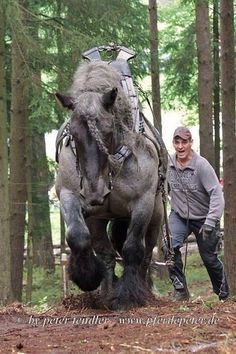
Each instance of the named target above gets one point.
<point>207,231</point>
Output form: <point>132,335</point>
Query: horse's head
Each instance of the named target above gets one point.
<point>92,126</point>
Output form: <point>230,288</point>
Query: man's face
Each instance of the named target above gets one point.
<point>182,147</point>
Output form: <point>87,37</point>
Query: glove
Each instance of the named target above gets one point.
<point>206,231</point>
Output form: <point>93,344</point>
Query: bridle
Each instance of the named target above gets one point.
<point>116,152</point>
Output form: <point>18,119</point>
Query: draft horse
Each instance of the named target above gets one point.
<point>113,175</point>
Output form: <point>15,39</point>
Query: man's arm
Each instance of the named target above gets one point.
<point>212,186</point>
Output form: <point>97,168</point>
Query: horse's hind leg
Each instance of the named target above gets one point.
<point>104,250</point>
<point>150,243</point>
<point>85,269</point>
<point>131,290</point>
<point>119,229</point>
<point>151,237</point>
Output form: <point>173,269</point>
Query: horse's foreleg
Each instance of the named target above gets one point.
<point>131,289</point>
<point>85,269</point>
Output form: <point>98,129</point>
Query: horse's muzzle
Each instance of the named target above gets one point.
<point>96,201</point>
<point>95,198</point>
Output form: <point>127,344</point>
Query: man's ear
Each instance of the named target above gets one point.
<point>65,101</point>
<point>108,99</point>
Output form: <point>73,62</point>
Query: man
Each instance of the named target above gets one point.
<point>197,204</point>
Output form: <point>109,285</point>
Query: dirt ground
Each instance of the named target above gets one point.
<point>163,326</point>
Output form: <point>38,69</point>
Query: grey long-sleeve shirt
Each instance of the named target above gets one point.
<point>199,183</point>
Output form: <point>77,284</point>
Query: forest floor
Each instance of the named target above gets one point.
<point>196,326</point>
<point>78,324</point>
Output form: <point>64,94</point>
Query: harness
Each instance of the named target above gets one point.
<point>121,65</point>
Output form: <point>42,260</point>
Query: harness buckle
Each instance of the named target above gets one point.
<point>110,181</point>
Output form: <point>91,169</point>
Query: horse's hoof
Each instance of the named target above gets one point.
<point>123,304</point>
<point>87,272</point>
<point>115,305</point>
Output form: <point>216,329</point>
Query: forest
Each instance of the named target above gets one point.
<point>188,49</point>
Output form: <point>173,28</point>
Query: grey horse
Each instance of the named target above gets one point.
<point>113,176</point>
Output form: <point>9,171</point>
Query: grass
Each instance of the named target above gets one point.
<point>47,288</point>
<point>198,281</point>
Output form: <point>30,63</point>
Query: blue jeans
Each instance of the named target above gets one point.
<point>180,229</point>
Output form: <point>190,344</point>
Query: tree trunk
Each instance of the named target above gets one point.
<point>156,101</point>
<point>205,80</point>
<point>5,256</point>
<point>216,90</point>
<point>60,49</point>
<point>29,259</point>
<point>41,224</point>
<point>17,189</point>
<point>229,138</point>
<point>42,235</point>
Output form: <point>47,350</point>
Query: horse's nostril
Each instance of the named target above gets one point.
<point>96,201</point>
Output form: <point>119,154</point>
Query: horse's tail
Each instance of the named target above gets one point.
<point>86,270</point>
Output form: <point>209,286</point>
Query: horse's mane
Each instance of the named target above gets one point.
<point>100,77</point>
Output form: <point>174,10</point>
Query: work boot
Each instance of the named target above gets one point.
<point>181,295</point>
<point>224,289</point>
<point>223,297</point>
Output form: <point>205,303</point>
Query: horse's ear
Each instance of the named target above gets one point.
<point>108,99</point>
<point>66,101</point>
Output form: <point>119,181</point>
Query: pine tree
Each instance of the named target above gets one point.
<point>5,264</point>
<point>229,138</point>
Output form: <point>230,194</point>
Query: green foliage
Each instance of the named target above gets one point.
<point>191,117</point>
<point>178,62</point>
<point>55,34</point>
<point>52,36</point>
